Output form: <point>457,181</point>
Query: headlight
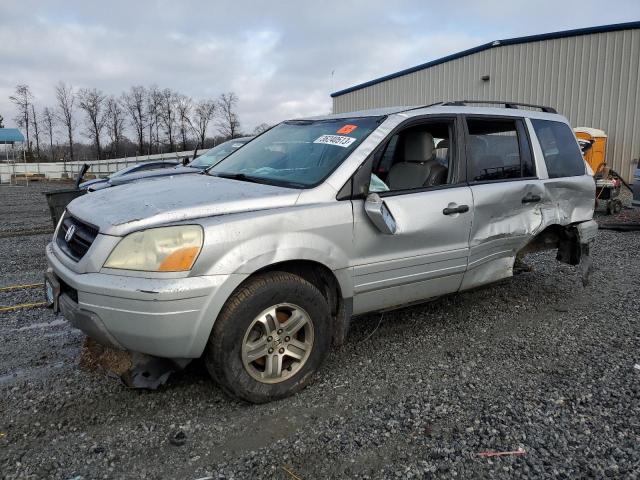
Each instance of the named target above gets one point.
<point>166,249</point>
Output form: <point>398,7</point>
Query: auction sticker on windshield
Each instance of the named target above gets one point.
<point>346,129</point>
<point>338,140</point>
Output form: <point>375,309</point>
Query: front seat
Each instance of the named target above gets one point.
<point>418,168</point>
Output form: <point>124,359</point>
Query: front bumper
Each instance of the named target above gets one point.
<point>86,321</point>
<point>164,317</point>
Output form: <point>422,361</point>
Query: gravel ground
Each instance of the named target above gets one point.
<point>535,362</point>
<point>25,208</point>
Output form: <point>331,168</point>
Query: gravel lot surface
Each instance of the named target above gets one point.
<point>536,362</point>
<point>25,208</point>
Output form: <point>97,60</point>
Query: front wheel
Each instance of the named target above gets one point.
<point>271,336</point>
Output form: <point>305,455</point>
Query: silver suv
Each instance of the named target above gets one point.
<point>259,263</point>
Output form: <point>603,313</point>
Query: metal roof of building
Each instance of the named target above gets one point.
<point>496,43</point>
<point>10,135</point>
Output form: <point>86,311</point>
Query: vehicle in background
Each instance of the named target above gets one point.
<point>593,143</point>
<point>259,265</point>
<point>99,183</point>
<point>204,161</point>
<point>217,153</point>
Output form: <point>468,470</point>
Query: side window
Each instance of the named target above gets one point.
<point>414,158</point>
<point>497,149</point>
<point>559,148</point>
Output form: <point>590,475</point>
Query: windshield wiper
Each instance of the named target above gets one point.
<point>237,176</point>
<point>263,180</point>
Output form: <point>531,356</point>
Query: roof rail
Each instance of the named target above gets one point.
<point>418,107</point>
<point>462,103</point>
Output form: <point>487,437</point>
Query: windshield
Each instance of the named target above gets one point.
<point>297,153</point>
<point>213,156</point>
<point>124,171</point>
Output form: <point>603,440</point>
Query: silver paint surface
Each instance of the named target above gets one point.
<point>250,226</point>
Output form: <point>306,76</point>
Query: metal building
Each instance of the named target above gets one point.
<point>590,75</point>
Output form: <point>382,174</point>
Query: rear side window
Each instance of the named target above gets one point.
<point>498,149</point>
<point>560,149</point>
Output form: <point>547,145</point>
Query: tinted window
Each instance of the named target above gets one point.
<point>560,149</point>
<point>498,150</point>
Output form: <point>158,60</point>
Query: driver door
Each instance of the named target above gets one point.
<point>428,253</point>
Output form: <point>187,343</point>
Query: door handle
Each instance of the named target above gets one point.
<point>530,198</point>
<point>458,209</point>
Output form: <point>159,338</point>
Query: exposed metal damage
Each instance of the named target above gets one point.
<point>149,372</point>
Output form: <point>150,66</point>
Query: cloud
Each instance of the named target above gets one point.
<point>277,56</point>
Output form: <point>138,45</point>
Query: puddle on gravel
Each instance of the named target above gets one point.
<point>30,373</point>
<point>35,326</point>
<point>268,431</point>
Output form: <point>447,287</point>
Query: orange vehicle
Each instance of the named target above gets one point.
<point>595,153</point>
<point>593,143</point>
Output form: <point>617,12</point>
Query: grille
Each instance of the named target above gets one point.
<point>81,240</point>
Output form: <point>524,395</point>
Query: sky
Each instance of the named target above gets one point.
<point>282,58</point>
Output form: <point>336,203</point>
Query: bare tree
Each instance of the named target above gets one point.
<point>92,102</point>
<point>203,113</point>
<point>22,99</point>
<point>114,120</point>
<point>228,123</point>
<point>66,99</point>
<point>49,120</point>
<point>1,121</point>
<point>154,101</point>
<point>36,129</point>
<point>134,104</point>
<point>263,127</point>
<point>168,114</point>
<point>183,109</point>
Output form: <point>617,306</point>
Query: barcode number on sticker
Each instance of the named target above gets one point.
<point>338,140</point>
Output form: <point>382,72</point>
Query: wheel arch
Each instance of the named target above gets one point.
<point>555,236</point>
<point>328,283</point>
<point>335,286</point>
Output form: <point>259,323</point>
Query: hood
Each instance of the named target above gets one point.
<point>157,173</point>
<point>134,206</point>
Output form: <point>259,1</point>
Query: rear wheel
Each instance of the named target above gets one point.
<point>271,336</point>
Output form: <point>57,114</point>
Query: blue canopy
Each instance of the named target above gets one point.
<point>10,135</point>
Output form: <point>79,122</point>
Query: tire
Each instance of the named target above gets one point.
<point>246,320</point>
<point>617,206</point>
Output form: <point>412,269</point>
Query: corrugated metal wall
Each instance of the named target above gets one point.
<point>594,80</point>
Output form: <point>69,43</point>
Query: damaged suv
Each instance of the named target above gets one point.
<point>258,264</point>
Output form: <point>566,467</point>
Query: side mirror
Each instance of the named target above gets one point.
<point>185,161</point>
<point>379,214</point>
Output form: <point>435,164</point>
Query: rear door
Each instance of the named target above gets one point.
<point>427,255</point>
<point>569,188</point>
<point>506,195</point>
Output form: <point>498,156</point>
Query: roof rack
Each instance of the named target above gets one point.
<point>462,103</point>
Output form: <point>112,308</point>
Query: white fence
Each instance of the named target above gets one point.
<point>99,168</point>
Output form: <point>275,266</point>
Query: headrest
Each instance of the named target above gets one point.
<point>418,146</point>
